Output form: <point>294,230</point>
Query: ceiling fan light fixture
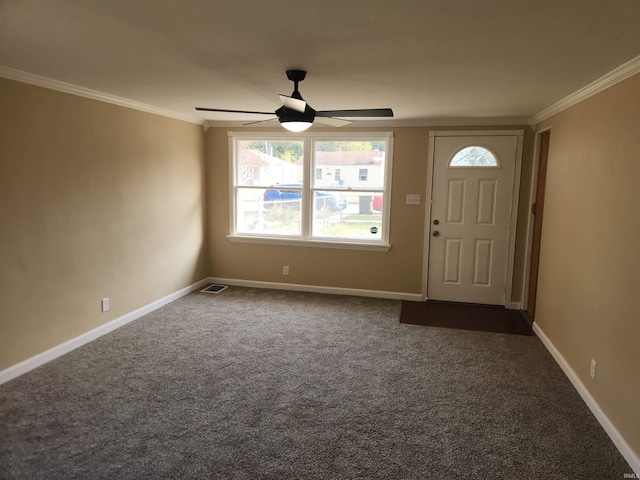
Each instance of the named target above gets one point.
<point>295,121</point>
<point>296,126</point>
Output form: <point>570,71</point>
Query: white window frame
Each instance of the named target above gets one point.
<point>305,239</point>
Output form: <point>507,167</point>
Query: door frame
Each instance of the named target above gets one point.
<point>433,134</point>
<point>535,167</point>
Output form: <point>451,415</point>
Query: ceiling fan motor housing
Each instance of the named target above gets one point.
<point>285,114</point>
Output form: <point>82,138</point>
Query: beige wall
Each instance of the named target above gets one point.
<point>399,270</point>
<point>96,201</point>
<point>589,281</point>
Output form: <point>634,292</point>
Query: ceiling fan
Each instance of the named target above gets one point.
<point>296,115</point>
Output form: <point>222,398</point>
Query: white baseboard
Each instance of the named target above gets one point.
<point>356,292</point>
<point>514,306</point>
<point>632,458</point>
<point>44,357</point>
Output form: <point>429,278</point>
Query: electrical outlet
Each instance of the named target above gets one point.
<point>593,369</point>
<point>285,270</point>
<point>105,304</point>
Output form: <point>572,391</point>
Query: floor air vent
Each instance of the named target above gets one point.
<point>214,288</point>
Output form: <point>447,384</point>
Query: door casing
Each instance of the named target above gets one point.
<point>514,205</point>
<point>535,184</point>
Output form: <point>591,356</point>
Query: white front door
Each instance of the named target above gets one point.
<point>473,185</point>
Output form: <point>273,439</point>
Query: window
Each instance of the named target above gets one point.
<point>312,188</point>
<point>474,157</point>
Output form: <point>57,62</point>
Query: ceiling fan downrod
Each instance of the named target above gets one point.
<point>296,76</point>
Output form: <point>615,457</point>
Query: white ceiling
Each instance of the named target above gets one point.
<point>429,60</point>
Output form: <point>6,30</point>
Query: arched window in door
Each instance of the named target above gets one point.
<point>474,156</point>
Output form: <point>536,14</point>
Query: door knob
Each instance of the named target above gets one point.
<point>436,233</point>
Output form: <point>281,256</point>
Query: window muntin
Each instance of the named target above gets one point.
<point>279,196</point>
<point>475,157</point>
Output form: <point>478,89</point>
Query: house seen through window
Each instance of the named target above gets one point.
<point>311,187</point>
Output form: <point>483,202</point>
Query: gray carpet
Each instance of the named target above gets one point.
<point>276,385</point>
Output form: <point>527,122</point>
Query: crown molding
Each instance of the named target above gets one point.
<point>632,67</point>
<point>617,75</point>
<point>39,81</point>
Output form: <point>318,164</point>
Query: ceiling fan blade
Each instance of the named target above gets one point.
<point>231,111</point>
<point>293,103</point>
<point>334,122</point>
<point>369,112</point>
<point>259,121</point>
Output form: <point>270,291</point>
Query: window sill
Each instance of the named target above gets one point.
<point>345,245</point>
